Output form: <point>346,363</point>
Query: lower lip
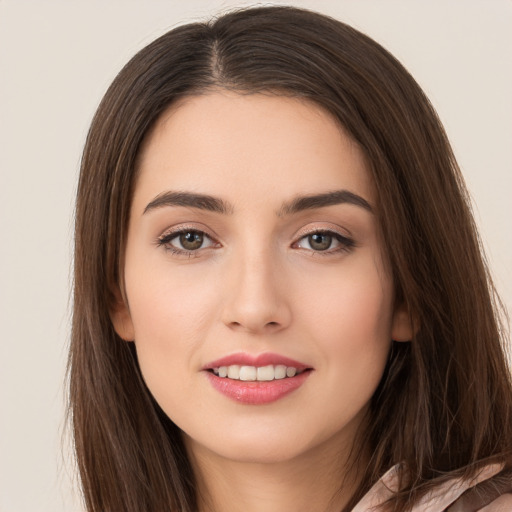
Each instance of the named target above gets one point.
<point>257,392</point>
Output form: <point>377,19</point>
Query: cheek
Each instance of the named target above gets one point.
<point>349,314</point>
<point>164,300</point>
<point>352,303</point>
<point>171,313</point>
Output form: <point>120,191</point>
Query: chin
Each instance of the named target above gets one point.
<point>259,453</point>
<point>264,452</point>
<point>270,445</point>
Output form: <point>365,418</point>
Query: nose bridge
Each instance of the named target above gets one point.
<point>255,297</point>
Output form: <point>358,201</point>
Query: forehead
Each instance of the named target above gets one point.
<point>250,147</point>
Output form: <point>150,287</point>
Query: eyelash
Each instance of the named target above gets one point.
<point>166,239</point>
<point>346,243</point>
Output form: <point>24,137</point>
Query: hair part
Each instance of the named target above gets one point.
<point>443,407</point>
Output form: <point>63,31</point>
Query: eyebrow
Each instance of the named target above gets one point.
<point>311,202</point>
<point>190,200</point>
<point>217,205</point>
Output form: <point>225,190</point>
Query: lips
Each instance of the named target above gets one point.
<point>259,379</point>
<point>265,359</point>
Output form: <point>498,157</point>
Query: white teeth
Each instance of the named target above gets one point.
<point>280,371</point>
<point>247,373</point>
<point>234,371</point>
<point>253,373</point>
<point>265,373</point>
<point>290,371</point>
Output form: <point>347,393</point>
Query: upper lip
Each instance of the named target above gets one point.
<point>265,359</point>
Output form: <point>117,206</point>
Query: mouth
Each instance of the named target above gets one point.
<point>256,380</point>
<point>256,373</point>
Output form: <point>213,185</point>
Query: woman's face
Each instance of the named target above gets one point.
<point>253,252</point>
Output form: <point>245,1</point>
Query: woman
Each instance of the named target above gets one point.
<point>280,301</point>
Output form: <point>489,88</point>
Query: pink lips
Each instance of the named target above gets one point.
<point>256,392</point>
<point>259,360</point>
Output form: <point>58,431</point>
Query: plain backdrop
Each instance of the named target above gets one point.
<point>57,59</point>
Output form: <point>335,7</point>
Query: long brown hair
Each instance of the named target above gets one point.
<point>444,405</point>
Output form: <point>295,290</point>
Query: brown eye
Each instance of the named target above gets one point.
<point>328,242</point>
<point>185,241</point>
<point>320,241</point>
<point>191,240</point>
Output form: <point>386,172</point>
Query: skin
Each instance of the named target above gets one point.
<point>259,286</point>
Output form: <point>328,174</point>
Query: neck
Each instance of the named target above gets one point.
<point>322,480</point>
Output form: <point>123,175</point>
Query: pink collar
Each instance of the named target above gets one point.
<point>435,501</point>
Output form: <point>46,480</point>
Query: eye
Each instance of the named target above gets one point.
<point>185,241</point>
<point>325,241</point>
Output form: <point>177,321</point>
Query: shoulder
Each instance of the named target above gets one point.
<point>490,490</point>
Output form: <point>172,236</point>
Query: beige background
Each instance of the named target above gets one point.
<point>56,60</point>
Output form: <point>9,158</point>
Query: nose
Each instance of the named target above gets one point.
<point>256,301</point>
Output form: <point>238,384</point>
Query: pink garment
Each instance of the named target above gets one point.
<point>456,495</point>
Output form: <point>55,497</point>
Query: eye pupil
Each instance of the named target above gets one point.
<point>320,241</point>
<point>191,240</point>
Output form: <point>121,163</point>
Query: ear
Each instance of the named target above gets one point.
<point>403,327</point>
<point>122,319</point>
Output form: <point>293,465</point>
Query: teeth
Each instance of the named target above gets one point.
<point>265,373</point>
<point>248,373</point>
<point>234,371</point>
<point>290,371</point>
<point>253,373</point>
<point>280,371</point>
